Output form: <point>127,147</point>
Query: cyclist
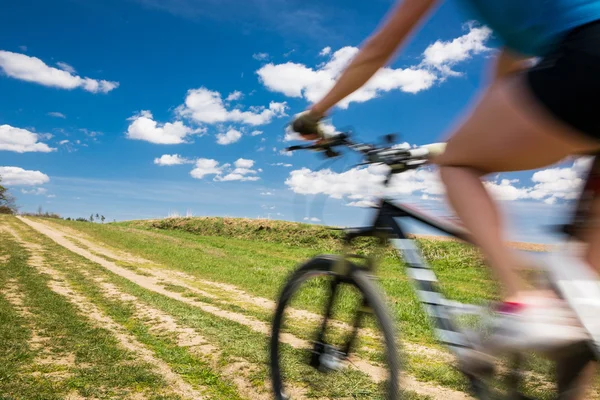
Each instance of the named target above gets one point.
<point>527,118</point>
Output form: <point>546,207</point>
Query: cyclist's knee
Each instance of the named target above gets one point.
<point>448,173</point>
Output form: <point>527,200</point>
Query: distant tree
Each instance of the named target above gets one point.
<point>68,219</point>
<point>40,210</point>
<point>92,218</point>
<point>97,216</point>
<point>102,218</point>
<point>7,202</point>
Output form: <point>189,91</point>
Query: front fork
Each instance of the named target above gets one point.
<point>326,357</point>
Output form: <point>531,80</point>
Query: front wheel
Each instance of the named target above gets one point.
<point>343,347</point>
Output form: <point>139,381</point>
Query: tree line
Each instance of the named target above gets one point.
<point>8,205</point>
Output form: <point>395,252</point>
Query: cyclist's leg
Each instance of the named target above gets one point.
<point>507,131</point>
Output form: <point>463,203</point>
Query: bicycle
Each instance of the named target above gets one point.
<point>332,353</point>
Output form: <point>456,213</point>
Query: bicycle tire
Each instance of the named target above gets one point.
<point>364,283</point>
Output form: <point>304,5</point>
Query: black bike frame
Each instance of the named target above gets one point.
<point>387,222</point>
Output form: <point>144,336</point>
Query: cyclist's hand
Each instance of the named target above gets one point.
<point>307,125</point>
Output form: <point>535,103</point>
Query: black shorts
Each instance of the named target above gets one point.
<point>567,81</point>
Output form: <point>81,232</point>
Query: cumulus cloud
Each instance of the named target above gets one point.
<point>442,55</point>
<point>144,127</point>
<point>326,51</point>
<point>256,133</point>
<point>311,83</point>
<point>15,176</point>
<point>312,219</point>
<point>171,159</point>
<point>364,183</point>
<point>32,69</point>
<point>66,67</point>
<point>229,137</point>
<point>240,171</point>
<point>260,56</point>
<point>360,186</point>
<point>204,167</point>
<point>206,106</point>
<point>235,95</point>
<point>57,114</point>
<point>35,191</point>
<point>21,140</point>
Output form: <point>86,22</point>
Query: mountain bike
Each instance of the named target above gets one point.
<point>350,349</point>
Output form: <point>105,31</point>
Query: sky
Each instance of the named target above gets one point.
<point>148,108</point>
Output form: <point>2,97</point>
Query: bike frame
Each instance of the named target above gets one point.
<point>388,223</point>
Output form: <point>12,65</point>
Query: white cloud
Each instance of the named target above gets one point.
<point>57,114</point>
<point>256,133</point>
<point>63,142</point>
<point>244,163</point>
<point>361,185</point>
<point>299,80</point>
<point>171,159</point>
<point>143,127</point>
<point>235,95</point>
<point>66,67</point>
<point>15,176</point>
<point>32,69</point>
<point>206,106</point>
<point>21,140</point>
<point>280,164</point>
<point>229,137</point>
<point>242,172</point>
<point>238,177</point>
<point>205,166</point>
<point>266,194</point>
<point>312,219</point>
<point>443,55</point>
<point>363,203</point>
<point>260,56</point>
<point>326,51</point>
<point>35,191</point>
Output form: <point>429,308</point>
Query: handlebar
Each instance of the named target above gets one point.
<point>398,159</point>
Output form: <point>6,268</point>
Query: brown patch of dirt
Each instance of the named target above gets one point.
<point>161,322</point>
<point>126,340</point>
<point>4,259</point>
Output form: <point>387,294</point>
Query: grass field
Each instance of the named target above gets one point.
<point>181,309</point>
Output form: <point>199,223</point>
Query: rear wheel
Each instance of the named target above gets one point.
<point>344,348</point>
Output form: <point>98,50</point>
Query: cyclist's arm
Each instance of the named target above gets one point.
<point>376,52</point>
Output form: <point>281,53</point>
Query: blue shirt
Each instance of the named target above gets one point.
<point>533,27</point>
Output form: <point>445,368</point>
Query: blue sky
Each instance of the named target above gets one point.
<point>97,96</point>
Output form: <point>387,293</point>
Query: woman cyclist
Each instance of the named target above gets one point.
<point>528,117</point>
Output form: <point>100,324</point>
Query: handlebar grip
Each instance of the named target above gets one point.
<point>434,149</point>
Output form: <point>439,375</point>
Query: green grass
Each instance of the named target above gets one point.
<point>261,265</point>
<point>235,341</point>
<point>102,369</point>
<point>258,261</point>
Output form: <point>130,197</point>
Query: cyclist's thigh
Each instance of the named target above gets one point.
<point>510,131</point>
